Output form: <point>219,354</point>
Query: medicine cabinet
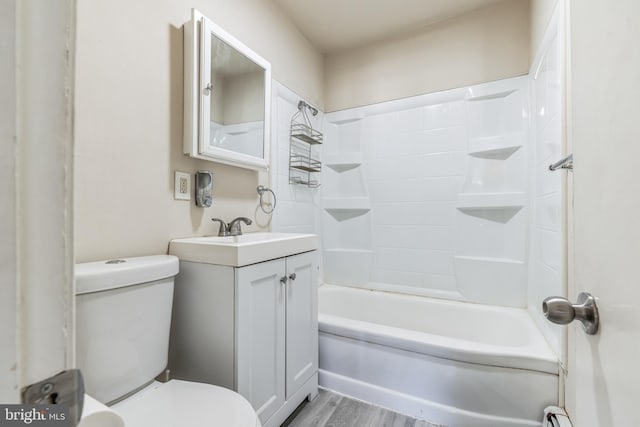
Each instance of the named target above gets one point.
<point>226,97</point>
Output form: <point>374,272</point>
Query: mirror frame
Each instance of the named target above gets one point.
<point>197,72</point>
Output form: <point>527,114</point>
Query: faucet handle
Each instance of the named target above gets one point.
<point>235,228</point>
<point>224,228</point>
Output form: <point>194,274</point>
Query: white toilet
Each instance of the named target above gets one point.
<point>123,315</point>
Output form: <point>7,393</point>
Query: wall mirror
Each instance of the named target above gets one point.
<point>227,97</point>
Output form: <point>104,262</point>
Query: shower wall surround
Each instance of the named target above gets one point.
<point>445,195</point>
<point>547,275</point>
<point>428,195</point>
<point>297,208</point>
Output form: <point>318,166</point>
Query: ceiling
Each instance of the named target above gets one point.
<point>336,25</point>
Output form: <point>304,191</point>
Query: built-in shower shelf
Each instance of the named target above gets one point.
<point>346,209</point>
<point>496,147</point>
<point>490,200</point>
<point>343,162</point>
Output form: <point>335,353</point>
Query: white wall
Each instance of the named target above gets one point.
<point>427,195</point>
<point>487,44</point>
<point>129,120</point>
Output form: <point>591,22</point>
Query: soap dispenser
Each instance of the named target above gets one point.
<point>204,186</point>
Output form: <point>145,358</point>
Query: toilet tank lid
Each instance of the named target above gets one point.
<point>104,275</point>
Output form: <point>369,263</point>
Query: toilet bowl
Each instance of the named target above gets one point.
<point>183,403</point>
<point>123,316</point>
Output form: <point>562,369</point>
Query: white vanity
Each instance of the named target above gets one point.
<point>245,317</point>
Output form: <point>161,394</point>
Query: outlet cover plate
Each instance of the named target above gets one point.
<point>182,187</point>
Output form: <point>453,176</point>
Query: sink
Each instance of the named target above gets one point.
<point>238,251</point>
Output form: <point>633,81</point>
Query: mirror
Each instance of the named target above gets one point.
<point>227,97</point>
<point>237,101</point>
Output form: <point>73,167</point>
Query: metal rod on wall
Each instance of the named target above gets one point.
<point>566,163</point>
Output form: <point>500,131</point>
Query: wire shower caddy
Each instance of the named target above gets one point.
<point>304,160</point>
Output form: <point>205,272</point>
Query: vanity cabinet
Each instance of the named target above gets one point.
<point>252,329</point>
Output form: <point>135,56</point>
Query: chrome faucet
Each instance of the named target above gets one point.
<point>234,226</point>
<point>224,228</point>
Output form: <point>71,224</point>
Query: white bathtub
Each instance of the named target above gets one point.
<point>451,363</point>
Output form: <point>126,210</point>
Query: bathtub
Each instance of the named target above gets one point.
<point>451,363</point>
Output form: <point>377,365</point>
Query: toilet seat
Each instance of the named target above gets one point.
<point>182,403</point>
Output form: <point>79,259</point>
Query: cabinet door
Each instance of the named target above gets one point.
<point>260,336</point>
<point>302,320</point>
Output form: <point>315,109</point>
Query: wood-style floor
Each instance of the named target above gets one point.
<point>334,410</point>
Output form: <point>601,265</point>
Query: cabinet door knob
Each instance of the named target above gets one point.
<point>283,280</point>
<point>292,276</point>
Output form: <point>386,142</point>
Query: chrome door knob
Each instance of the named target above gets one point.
<point>561,311</point>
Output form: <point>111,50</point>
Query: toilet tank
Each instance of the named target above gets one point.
<point>123,318</point>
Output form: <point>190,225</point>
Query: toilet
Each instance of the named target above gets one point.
<point>123,317</point>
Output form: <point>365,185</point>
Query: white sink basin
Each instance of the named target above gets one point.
<point>237,251</point>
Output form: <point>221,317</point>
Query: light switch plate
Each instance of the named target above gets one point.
<point>182,187</point>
